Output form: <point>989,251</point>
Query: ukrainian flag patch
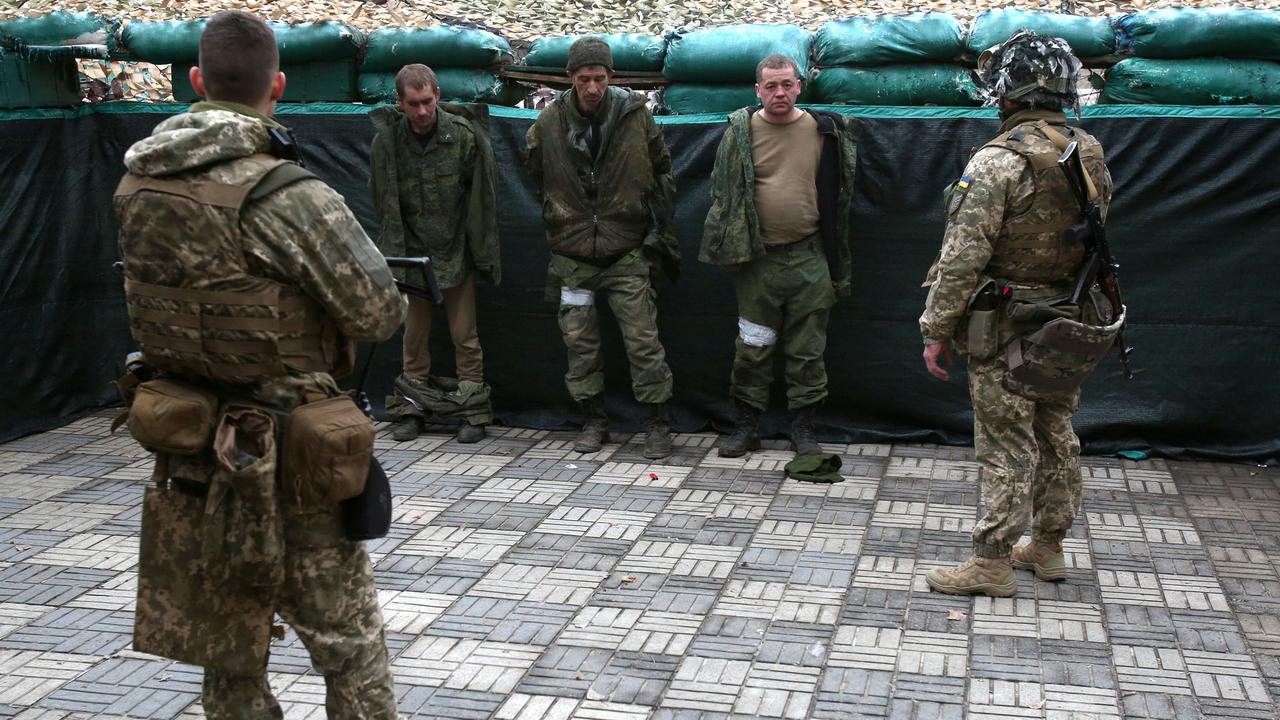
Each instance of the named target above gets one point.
<point>965,182</point>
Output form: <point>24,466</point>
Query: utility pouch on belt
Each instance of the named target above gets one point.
<point>367,516</point>
<point>171,416</point>
<point>328,445</point>
<point>244,528</point>
<point>983,332</point>
<point>1054,361</point>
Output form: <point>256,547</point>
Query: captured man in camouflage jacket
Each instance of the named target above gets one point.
<point>246,280</point>
<point>1000,290</point>
<point>608,199</point>
<point>779,221</point>
<point>435,191</point>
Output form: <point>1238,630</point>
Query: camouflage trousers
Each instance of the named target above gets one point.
<point>328,598</point>
<point>1030,459</point>
<point>632,299</point>
<point>784,297</point>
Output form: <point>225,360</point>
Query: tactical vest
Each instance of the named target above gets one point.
<point>1031,248</point>
<point>194,307</point>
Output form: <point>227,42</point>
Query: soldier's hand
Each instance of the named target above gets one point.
<point>936,357</point>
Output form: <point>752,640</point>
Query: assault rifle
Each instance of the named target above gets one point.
<point>429,289</point>
<point>1099,265</point>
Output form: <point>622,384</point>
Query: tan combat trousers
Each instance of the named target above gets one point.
<point>460,312</point>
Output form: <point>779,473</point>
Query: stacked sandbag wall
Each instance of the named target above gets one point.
<point>38,56</point>
<point>714,70</point>
<point>465,61</point>
<point>632,52</point>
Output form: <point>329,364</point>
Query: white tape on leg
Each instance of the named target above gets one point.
<point>576,296</point>
<point>755,335</point>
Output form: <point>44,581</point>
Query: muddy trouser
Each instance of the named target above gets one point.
<point>1030,459</point>
<point>632,299</point>
<point>783,297</point>
<point>328,598</point>
<point>460,312</point>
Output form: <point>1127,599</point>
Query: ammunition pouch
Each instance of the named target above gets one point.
<point>981,339</point>
<point>328,446</point>
<point>444,398</point>
<point>170,416</point>
<point>244,528</point>
<point>1054,361</point>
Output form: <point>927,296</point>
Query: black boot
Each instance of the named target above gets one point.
<point>657,437</point>
<point>595,433</point>
<point>746,433</point>
<point>469,433</point>
<point>406,429</point>
<point>803,440</point>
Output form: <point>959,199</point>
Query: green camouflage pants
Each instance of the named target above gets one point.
<point>784,296</point>
<point>329,599</point>
<point>632,300</point>
<point>1030,459</point>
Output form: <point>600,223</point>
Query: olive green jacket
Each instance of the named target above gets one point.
<point>731,234</point>
<point>443,204</point>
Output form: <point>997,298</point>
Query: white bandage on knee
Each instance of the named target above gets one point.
<point>756,335</point>
<point>576,296</point>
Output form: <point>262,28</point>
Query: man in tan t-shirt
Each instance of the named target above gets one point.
<point>779,221</point>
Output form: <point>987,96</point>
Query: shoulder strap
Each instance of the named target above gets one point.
<point>285,173</point>
<point>1060,141</point>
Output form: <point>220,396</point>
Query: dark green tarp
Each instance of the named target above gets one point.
<point>731,53</point>
<point>896,85</point>
<point>631,51</point>
<point>1201,32</point>
<point>1193,226</point>
<point>1201,81</point>
<point>441,46</point>
<point>889,39</point>
<point>1089,37</point>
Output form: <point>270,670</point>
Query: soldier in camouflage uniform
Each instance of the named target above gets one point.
<point>284,278</point>
<point>779,221</point>
<point>1005,268</point>
<point>435,192</point>
<point>608,200</point>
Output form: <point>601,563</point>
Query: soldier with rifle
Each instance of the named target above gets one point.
<point>1016,289</point>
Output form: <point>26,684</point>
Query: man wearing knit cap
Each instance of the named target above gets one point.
<point>604,175</point>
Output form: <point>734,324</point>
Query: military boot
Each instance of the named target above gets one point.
<point>595,433</point>
<point>657,436</point>
<point>746,433</point>
<point>406,429</point>
<point>977,576</point>
<point>469,433</point>
<point>1044,558</point>
<point>803,439</point>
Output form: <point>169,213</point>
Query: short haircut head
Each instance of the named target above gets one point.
<point>416,76</point>
<point>238,58</point>
<point>777,61</point>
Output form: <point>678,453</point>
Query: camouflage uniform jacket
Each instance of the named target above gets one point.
<point>1005,219</point>
<point>598,210</point>
<point>302,235</point>
<point>731,234</point>
<point>438,198</point>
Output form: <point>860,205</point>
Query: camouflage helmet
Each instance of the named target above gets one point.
<point>1038,70</point>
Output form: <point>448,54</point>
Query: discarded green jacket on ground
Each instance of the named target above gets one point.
<point>390,49</point>
<point>889,39</point>
<point>1088,36</point>
<point>922,84</point>
<point>1201,32</point>
<point>731,235</point>
<point>445,399</point>
<point>730,53</point>
<point>818,468</point>
<point>631,51</point>
<point>1198,81</point>
<point>443,204</point>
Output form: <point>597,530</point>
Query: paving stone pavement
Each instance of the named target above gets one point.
<point>524,581</point>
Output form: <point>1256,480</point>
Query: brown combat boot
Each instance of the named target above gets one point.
<point>803,439</point>
<point>595,433</point>
<point>746,433</point>
<point>406,429</point>
<point>657,438</point>
<point>977,576</point>
<point>1044,558</point>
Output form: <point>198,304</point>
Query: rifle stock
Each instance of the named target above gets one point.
<point>429,290</point>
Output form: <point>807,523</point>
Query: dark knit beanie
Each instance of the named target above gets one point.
<point>589,50</point>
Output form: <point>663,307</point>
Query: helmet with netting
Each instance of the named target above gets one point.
<point>1036,70</point>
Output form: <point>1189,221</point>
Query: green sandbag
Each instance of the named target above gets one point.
<point>631,51</point>
<point>447,45</point>
<point>1089,37</point>
<point>730,54</point>
<point>889,39</point>
<point>456,84</point>
<point>1207,32</point>
<point>63,28</point>
<point>38,83</point>
<point>304,82</point>
<point>1202,81</point>
<point>690,98</point>
<point>178,41</point>
<point>950,85</point>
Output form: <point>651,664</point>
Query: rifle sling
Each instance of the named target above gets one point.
<point>1060,141</point>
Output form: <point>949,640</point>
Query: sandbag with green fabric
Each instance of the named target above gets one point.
<point>692,98</point>
<point>1201,32</point>
<point>889,39</point>
<point>730,54</point>
<point>631,51</point>
<point>457,84</point>
<point>1200,81</point>
<point>1089,37</point>
<point>333,81</point>
<point>950,85</point>
<point>390,49</point>
<point>63,28</point>
<point>178,41</point>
